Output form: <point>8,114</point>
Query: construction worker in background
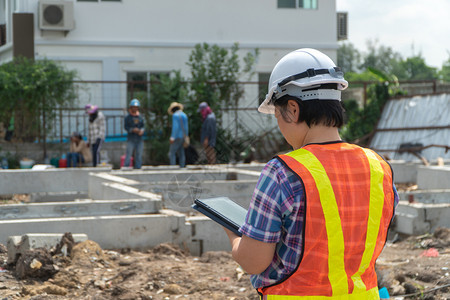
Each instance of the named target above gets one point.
<point>97,131</point>
<point>209,132</point>
<point>319,215</point>
<point>180,130</point>
<point>134,125</point>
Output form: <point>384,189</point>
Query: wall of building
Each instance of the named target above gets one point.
<point>111,39</point>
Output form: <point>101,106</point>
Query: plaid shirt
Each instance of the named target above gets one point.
<point>276,215</point>
<point>97,129</point>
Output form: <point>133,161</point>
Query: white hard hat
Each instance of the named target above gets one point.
<point>301,70</point>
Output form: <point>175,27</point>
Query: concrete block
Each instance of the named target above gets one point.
<point>181,196</point>
<point>427,196</point>
<point>95,181</point>
<point>57,197</point>
<point>110,232</point>
<point>117,191</point>
<point>257,167</point>
<point>438,215</point>
<point>28,181</point>
<point>404,172</point>
<point>78,208</point>
<point>183,175</point>
<point>209,234</point>
<point>411,219</point>
<point>19,244</point>
<point>429,178</point>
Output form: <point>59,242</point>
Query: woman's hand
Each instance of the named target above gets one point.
<point>252,255</point>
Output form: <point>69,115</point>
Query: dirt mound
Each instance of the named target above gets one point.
<point>216,257</point>
<point>166,272</point>
<point>37,263</point>
<point>168,249</point>
<point>88,253</point>
<point>443,234</point>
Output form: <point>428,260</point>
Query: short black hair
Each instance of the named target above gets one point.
<point>77,135</point>
<point>175,109</point>
<point>314,112</point>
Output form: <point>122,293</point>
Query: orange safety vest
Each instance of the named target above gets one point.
<point>349,206</point>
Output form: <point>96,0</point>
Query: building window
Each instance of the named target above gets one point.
<point>99,0</point>
<point>303,4</point>
<point>307,4</point>
<point>286,3</point>
<point>139,84</point>
<point>263,82</point>
<point>2,34</point>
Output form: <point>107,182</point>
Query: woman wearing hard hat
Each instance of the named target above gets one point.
<point>319,215</point>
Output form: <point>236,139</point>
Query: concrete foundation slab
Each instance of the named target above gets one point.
<point>78,209</point>
<point>405,172</point>
<point>51,180</point>
<point>419,218</point>
<point>110,232</point>
<point>429,178</point>
<point>208,234</point>
<point>441,196</point>
<point>57,197</point>
<point>181,196</point>
<point>95,181</point>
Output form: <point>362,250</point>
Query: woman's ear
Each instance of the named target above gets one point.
<point>294,110</point>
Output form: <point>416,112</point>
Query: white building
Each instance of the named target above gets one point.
<point>113,40</point>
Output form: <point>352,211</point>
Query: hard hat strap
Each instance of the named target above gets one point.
<point>334,71</point>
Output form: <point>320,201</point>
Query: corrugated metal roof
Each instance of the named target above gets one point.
<point>420,114</point>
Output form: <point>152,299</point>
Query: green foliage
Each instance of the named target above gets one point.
<point>30,91</point>
<point>380,57</point>
<point>364,76</point>
<point>13,160</point>
<point>361,122</point>
<point>215,73</point>
<point>415,68</point>
<point>386,60</point>
<point>384,67</point>
<point>444,73</point>
<point>348,57</point>
<point>165,89</point>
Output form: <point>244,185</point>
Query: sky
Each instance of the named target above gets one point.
<point>410,27</point>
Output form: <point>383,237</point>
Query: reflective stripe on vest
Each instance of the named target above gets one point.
<point>371,294</point>
<point>317,182</point>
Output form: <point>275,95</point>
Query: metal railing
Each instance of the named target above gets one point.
<point>112,94</point>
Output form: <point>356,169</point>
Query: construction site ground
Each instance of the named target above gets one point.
<point>412,265</point>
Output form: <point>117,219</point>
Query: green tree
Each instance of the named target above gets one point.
<point>360,122</point>
<point>215,75</point>
<point>30,91</point>
<point>415,68</point>
<point>380,57</point>
<point>348,57</point>
<point>165,89</point>
<point>444,73</point>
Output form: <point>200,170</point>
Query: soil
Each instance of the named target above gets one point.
<point>413,265</point>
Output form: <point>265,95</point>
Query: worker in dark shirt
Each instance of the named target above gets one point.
<point>134,125</point>
<point>209,132</point>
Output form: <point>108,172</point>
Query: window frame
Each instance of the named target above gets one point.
<point>298,4</point>
<point>99,1</point>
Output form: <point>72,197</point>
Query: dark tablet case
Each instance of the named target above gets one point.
<point>222,210</point>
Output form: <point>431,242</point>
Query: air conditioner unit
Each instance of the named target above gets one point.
<point>342,26</point>
<point>56,15</point>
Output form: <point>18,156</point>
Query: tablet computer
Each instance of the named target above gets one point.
<point>222,210</point>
